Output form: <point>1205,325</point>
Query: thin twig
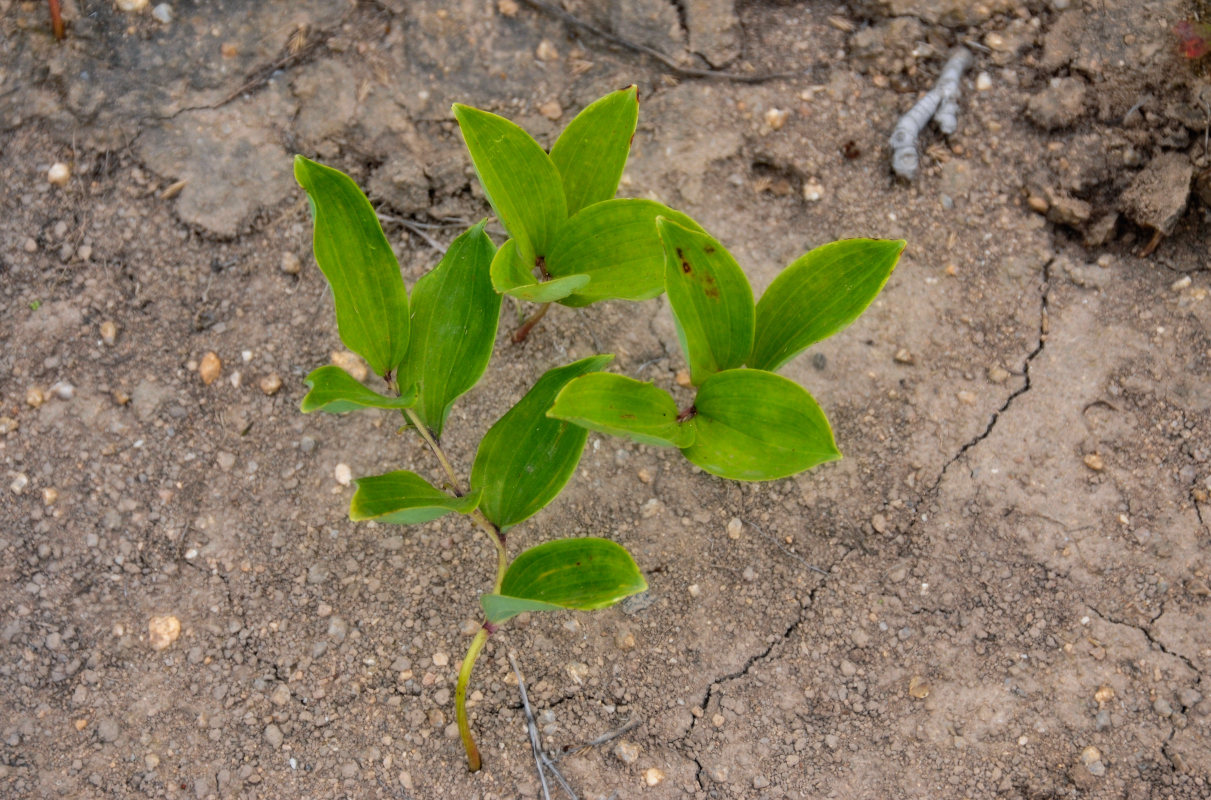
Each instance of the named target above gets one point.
<point>535,743</point>
<point>685,72</point>
<point>415,229</point>
<point>600,740</point>
<point>941,103</point>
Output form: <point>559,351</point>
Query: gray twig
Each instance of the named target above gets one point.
<point>411,228</point>
<point>532,727</point>
<point>600,740</point>
<point>941,103</point>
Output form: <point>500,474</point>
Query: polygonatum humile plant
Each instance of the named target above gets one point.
<point>571,242</point>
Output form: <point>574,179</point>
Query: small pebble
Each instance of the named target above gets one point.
<point>645,475</point>
<point>1161,706</point>
<point>624,640</point>
<point>440,659</point>
<point>1180,283</point>
<point>20,481</point>
<point>291,264</point>
<point>210,368</point>
<point>507,8</point>
<point>34,397</point>
<point>343,475</point>
<point>652,776</point>
<point>162,13</point>
<point>132,5</point>
<point>546,51</point>
<point>109,332</point>
<point>760,782</point>
<point>8,425</point>
<point>650,509</point>
<point>351,363</point>
<point>281,695</point>
<point>626,752</point>
<point>734,527</point>
<point>551,109</point>
<point>1038,203</point>
<point>1090,754</point>
<point>162,631</point>
<point>694,589</point>
<point>879,523</point>
<point>966,397</point>
<point>63,390</point>
<point>271,383</point>
<point>749,574</point>
<point>918,687</point>
<point>813,190</point>
<point>902,356</point>
<point>107,730</point>
<point>983,82</point>
<point>151,760</point>
<point>50,495</point>
<point>30,245</point>
<point>273,735</point>
<point>59,174</point>
<point>225,460</point>
<point>683,378</point>
<point>776,118</point>
<point>717,720</point>
<point>998,374</point>
<point>1095,462</point>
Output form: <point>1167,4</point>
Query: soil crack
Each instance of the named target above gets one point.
<point>1021,390</point>
<point>1152,640</point>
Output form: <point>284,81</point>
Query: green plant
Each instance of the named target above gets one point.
<point>571,241</point>
<point>746,422</point>
<point>429,352</point>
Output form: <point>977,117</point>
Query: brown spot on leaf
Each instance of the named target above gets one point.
<point>708,249</point>
<point>685,265</point>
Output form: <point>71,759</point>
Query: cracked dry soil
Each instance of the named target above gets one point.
<point>1001,591</point>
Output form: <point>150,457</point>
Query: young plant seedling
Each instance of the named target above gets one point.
<point>571,241</point>
<point>746,422</point>
<point>429,352</point>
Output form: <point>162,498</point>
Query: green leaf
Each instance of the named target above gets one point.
<point>616,243</point>
<point>820,293</point>
<point>510,276</point>
<point>622,406</point>
<point>404,498</point>
<point>336,391</point>
<point>754,425</point>
<point>353,253</point>
<point>455,312</point>
<point>525,459</point>
<point>592,151</point>
<point>582,574</point>
<point>521,182</point>
<point>711,300</point>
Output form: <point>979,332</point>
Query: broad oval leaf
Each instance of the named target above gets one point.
<point>404,498</point>
<point>355,257</point>
<point>754,425</point>
<point>592,151</point>
<point>622,406</point>
<point>583,574</point>
<point>616,243</point>
<point>525,459</point>
<point>509,276</point>
<point>711,300</point>
<point>455,312</point>
<point>336,391</point>
<point>818,294</point>
<point>521,182</point>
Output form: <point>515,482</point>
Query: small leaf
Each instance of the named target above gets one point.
<point>510,276</point>
<point>754,425</point>
<point>622,406</point>
<point>820,293</point>
<point>525,459</point>
<point>592,151</point>
<point>455,312</point>
<point>336,391</point>
<point>711,300</point>
<point>521,182</point>
<point>583,574</point>
<point>351,250</point>
<point>404,498</point>
<point>616,243</point>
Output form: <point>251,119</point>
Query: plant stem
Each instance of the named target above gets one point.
<point>502,562</point>
<point>460,699</point>
<point>521,333</point>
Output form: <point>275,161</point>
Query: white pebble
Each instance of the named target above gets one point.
<point>734,527</point>
<point>132,6</point>
<point>63,390</point>
<point>440,659</point>
<point>162,13</point>
<point>20,481</point>
<point>59,174</point>
<point>1180,283</point>
<point>813,190</point>
<point>983,82</point>
<point>343,475</point>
